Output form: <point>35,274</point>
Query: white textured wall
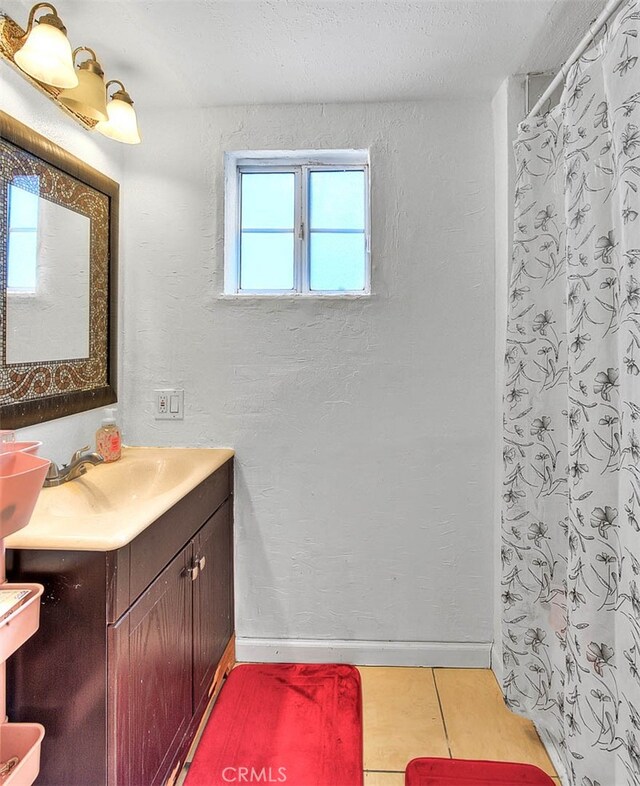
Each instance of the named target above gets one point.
<point>22,101</point>
<point>363,428</point>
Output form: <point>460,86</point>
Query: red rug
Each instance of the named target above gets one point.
<point>461,772</point>
<point>294,724</point>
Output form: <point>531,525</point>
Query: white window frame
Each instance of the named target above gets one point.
<point>301,163</point>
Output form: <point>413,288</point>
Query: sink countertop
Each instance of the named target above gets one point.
<point>111,504</point>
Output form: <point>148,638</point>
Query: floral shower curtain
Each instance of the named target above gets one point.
<point>571,495</point>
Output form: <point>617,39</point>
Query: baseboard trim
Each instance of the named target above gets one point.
<point>453,654</point>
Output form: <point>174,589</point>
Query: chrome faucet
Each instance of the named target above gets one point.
<point>76,467</point>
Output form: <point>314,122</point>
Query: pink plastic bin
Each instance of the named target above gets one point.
<point>21,478</point>
<point>23,447</point>
<point>22,623</point>
<point>22,740</point>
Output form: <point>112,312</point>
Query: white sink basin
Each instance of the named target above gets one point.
<point>112,503</point>
<point>139,476</point>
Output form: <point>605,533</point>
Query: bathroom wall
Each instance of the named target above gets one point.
<point>363,428</point>
<point>20,100</point>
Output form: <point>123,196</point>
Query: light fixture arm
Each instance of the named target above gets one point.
<point>120,94</point>
<point>84,49</point>
<point>91,63</point>
<point>115,82</point>
<point>51,19</point>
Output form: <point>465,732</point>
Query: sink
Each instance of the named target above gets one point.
<point>112,503</point>
<point>135,479</point>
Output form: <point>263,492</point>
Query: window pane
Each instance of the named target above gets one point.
<point>23,208</point>
<point>268,200</point>
<point>21,260</point>
<point>337,261</point>
<point>336,200</point>
<point>266,260</point>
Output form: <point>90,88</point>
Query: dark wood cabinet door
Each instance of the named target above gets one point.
<point>158,700</point>
<point>212,599</point>
<point>57,678</point>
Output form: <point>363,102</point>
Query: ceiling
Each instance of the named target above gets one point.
<point>205,52</point>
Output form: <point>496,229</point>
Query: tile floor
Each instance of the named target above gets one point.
<point>410,712</point>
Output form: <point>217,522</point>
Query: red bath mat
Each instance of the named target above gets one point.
<point>463,772</point>
<point>295,724</point>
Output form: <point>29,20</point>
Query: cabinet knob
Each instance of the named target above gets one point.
<point>201,563</point>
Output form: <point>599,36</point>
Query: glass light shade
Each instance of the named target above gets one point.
<point>46,56</point>
<point>89,98</point>
<point>122,124</point>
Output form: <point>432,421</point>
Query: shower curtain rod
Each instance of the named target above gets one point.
<point>593,31</point>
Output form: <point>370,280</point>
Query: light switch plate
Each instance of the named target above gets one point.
<point>169,404</point>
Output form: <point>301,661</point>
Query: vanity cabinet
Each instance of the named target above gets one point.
<point>133,644</point>
<point>212,601</point>
<point>153,642</point>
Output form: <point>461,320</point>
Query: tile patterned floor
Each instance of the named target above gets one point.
<point>410,712</point>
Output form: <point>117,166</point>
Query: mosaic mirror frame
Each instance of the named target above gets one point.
<point>34,392</point>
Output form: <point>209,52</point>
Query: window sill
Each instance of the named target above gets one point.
<point>296,296</point>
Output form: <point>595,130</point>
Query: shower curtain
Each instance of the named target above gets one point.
<point>571,483</point>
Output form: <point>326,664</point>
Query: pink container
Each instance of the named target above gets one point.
<point>23,447</point>
<point>22,740</point>
<point>21,478</point>
<point>22,623</point>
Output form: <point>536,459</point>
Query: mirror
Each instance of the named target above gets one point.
<point>58,232</point>
<point>47,277</point>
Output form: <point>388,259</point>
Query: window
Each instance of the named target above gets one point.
<point>22,240</point>
<point>297,223</point>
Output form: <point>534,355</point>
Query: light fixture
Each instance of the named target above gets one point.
<point>46,53</point>
<point>89,98</point>
<point>122,124</point>
<point>43,55</point>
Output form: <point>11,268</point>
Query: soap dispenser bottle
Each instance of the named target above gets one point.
<point>108,439</point>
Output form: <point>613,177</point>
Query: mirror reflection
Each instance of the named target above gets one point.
<point>48,277</point>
